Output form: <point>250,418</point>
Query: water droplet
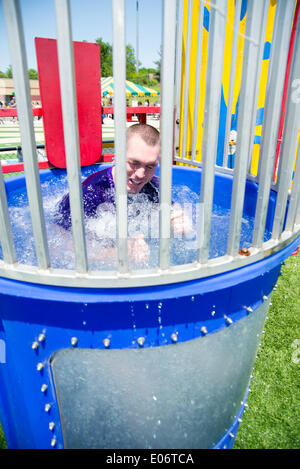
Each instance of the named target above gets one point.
<point>154,398</point>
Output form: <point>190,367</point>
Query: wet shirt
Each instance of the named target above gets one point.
<point>99,189</point>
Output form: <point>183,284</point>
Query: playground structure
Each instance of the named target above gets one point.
<point>117,358</point>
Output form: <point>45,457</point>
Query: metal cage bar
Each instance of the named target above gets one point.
<point>187,77</point>
<point>261,46</point>
<point>20,72</point>
<point>234,48</point>
<point>6,237</point>
<point>197,78</point>
<point>244,131</point>
<point>217,27</point>
<point>289,142</point>
<point>179,27</point>
<point>167,130</point>
<point>70,125</point>
<point>295,196</point>
<point>119,70</point>
<point>279,53</point>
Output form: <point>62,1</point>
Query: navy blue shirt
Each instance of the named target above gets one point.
<point>99,188</point>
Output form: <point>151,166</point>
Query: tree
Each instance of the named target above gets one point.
<point>8,72</point>
<point>158,64</point>
<point>130,61</point>
<point>33,74</point>
<point>105,57</point>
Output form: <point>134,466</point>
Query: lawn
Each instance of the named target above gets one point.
<point>272,418</point>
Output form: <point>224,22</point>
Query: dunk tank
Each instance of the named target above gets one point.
<point>155,355</point>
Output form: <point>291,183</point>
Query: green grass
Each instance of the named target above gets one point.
<point>3,444</point>
<point>272,418</point>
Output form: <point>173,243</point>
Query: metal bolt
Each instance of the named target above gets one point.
<point>35,345</point>
<point>74,341</point>
<point>40,366</point>
<point>41,337</point>
<point>203,330</point>
<point>244,252</point>
<point>249,309</point>
<point>239,420</point>
<point>44,387</point>
<point>174,337</point>
<point>106,343</point>
<point>141,341</point>
<point>229,321</point>
<point>47,407</point>
<point>231,435</point>
<point>51,426</point>
<point>264,297</point>
<point>53,442</point>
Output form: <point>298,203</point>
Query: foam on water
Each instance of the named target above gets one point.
<point>143,219</point>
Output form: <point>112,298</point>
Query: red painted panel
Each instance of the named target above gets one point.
<point>17,167</point>
<point>88,91</point>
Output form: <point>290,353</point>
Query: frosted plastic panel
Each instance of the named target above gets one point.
<point>184,395</point>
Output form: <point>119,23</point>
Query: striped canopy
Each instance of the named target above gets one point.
<point>132,89</point>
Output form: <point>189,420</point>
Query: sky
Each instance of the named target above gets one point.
<point>91,19</point>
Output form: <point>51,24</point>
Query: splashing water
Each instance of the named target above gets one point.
<point>143,219</point>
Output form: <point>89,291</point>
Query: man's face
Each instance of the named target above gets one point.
<point>142,161</point>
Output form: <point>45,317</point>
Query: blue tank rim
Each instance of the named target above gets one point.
<point>154,292</point>
<point>143,293</point>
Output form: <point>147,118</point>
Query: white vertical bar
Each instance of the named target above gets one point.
<point>294,202</point>
<point>289,140</point>
<point>6,237</point>
<point>235,38</point>
<point>272,109</point>
<point>20,76</point>
<point>119,67</point>
<point>166,128</point>
<point>244,131</point>
<point>197,79</point>
<point>297,220</point>
<point>263,26</point>
<point>70,124</point>
<point>216,40</point>
<point>179,41</point>
<point>187,77</point>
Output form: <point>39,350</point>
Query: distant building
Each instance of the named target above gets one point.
<point>7,89</point>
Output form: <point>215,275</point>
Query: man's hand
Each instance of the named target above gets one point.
<point>181,223</point>
<point>138,249</point>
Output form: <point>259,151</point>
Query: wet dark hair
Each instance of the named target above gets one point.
<point>146,132</point>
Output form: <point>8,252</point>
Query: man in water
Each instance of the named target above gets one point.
<point>143,149</point>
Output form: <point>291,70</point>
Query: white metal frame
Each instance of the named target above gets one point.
<point>171,73</point>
